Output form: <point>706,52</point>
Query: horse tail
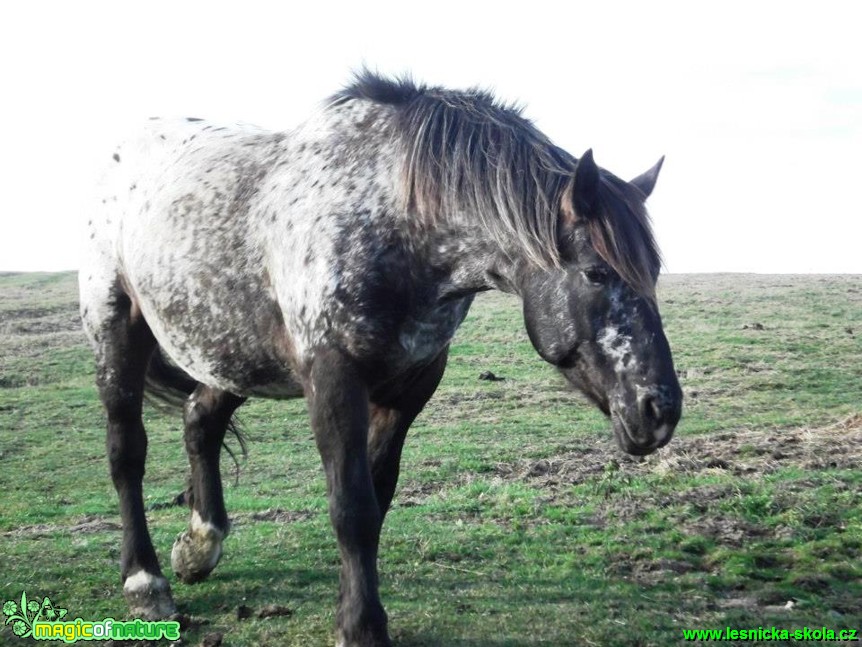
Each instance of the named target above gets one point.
<point>167,386</point>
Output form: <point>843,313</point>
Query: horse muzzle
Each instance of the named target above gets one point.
<point>646,422</point>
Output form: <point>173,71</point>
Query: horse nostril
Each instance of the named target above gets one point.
<point>651,408</point>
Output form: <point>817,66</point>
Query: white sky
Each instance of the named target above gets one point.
<point>757,105</point>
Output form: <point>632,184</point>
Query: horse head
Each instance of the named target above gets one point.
<point>595,317</point>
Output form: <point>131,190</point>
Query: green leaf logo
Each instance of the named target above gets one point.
<point>51,612</point>
<point>23,615</point>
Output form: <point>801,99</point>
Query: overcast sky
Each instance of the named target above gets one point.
<point>757,105</point>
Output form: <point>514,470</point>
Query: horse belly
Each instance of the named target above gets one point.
<point>233,341</point>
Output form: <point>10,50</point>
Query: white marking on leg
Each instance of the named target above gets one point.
<point>143,581</point>
<point>205,528</point>
<point>197,551</point>
<point>148,596</point>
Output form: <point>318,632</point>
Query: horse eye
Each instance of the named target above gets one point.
<point>597,275</point>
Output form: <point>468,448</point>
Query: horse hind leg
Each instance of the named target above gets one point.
<point>124,343</point>
<point>197,551</point>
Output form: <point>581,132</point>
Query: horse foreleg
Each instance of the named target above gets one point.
<point>206,415</point>
<point>338,406</point>
<point>391,417</point>
<point>124,344</point>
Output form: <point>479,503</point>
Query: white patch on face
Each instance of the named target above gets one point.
<point>616,346</point>
<point>143,581</point>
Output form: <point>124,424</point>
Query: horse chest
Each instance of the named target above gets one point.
<point>421,339</point>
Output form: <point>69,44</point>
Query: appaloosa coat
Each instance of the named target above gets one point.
<point>335,262</point>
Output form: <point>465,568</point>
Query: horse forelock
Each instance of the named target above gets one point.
<point>621,234</point>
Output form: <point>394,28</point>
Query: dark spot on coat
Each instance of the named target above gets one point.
<point>193,119</point>
<point>116,157</point>
<point>162,137</point>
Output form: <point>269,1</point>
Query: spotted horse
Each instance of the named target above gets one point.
<point>335,262</point>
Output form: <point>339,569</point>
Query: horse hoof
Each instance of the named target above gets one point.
<point>195,554</point>
<point>148,596</point>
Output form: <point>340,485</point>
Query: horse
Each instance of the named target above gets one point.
<point>335,262</point>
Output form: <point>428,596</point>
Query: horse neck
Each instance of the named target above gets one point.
<point>461,249</point>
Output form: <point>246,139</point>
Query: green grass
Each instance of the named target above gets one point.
<point>517,522</point>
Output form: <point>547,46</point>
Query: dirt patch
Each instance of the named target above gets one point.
<point>243,612</point>
<point>93,524</point>
<point>836,446</point>
<point>743,452</point>
<point>568,469</point>
<point>723,529</point>
<point>213,639</point>
<point>412,494</point>
<point>649,571</point>
<point>277,515</point>
<point>87,525</point>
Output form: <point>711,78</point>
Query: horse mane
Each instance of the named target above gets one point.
<point>465,152</point>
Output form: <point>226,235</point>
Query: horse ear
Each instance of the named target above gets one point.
<point>646,181</point>
<point>581,195</point>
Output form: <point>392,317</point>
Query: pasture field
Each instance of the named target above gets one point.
<point>517,521</point>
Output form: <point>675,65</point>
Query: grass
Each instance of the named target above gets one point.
<point>517,522</point>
